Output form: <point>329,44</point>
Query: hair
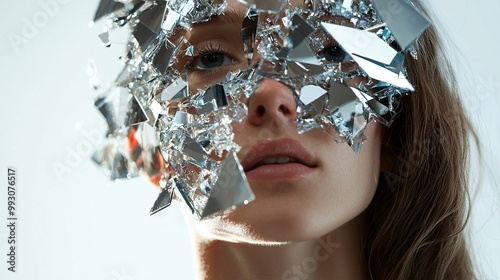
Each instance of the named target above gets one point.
<point>419,212</point>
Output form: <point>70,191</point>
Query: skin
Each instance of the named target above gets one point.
<point>306,227</point>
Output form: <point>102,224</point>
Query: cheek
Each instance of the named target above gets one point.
<point>350,183</point>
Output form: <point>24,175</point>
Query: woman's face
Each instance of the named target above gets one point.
<point>305,185</point>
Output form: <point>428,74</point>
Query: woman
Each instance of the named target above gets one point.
<point>395,211</point>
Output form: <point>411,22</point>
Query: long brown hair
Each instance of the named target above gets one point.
<point>418,215</point>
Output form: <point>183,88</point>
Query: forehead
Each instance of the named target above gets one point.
<point>237,10</point>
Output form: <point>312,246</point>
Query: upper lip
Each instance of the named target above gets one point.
<point>278,148</point>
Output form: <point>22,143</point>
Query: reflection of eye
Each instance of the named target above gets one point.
<point>211,60</point>
<point>333,54</point>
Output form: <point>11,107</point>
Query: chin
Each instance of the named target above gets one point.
<point>268,222</point>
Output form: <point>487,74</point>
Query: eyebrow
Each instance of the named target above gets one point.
<point>229,16</point>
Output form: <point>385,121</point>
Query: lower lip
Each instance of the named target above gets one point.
<point>277,172</point>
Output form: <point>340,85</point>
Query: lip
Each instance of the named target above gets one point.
<point>286,147</point>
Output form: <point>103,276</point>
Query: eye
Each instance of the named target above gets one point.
<point>333,54</point>
<point>211,60</point>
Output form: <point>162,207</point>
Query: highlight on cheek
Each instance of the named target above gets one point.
<point>190,67</point>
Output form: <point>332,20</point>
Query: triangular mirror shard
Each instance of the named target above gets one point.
<point>135,113</point>
<point>370,52</point>
<point>164,198</point>
<point>303,53</point>
<point>340,94</point>
<point>404,21</point>
<point>152,17</point>
<point>309,93</point>
<point>106,7</point>
<point>120,109</point>
<point>300,29</point>
<point>231,188</point>
<point>382,73</point>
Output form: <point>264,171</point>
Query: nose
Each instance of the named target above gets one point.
<point>272,102</point>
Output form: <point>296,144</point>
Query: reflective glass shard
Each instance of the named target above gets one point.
<point>248,30</point>
<point>162,58</point>
<point>231,188</point>
<point>145,150</point>
<point>181,7</point>
<point>171,19</point>
<point>319,103</point>
<point>164,198</point>
<point>295,69</point>
<point>303,53</point>
<point>371,53</point>
<point>120,109</point>
<point>340,94</point>
<point>183,190</point>
<point>298,31</point>
<point>404,21</point>
<point>153,112</point>
<point>194,150</point>
<point>359,125</point>
<point>144,35</point>
<point>106,7</point>
<point>265,5</point>
<point>382,73</point>
<point>135,113</point>
<point>115,159</point>
<point>182,119</point>
<point>361,42</point>
<point>216,95</point>
<point>310,93</point>
<point>177,89</point>
<point>105,38</point>
<point>152,18</point>
<point>311,69</point>
<point>381,110</point>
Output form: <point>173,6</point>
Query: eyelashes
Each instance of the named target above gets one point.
<point>212,56</point>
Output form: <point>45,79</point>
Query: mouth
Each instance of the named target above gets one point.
<point>281,159</point>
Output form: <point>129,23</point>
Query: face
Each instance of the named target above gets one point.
<point>305,185</point>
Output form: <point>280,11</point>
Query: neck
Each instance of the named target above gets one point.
<point>336,255</point>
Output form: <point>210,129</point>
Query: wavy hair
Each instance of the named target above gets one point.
<point>419,212</point>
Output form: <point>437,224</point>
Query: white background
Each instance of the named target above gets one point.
<point>74,224</point>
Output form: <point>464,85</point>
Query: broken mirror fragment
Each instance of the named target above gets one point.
<point>120,109</point>
<point>371,53</point>
<point>164,197</point>
<point>309,93</point>
<point>177,89</point>
<point>114,158</point>
<point>297,32</point>
<point>265,5</point>
<point>162,57</point>
<point>231,188</point>
<point>403,19</point>
<point>105,39</point>
<point>152,17</point>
